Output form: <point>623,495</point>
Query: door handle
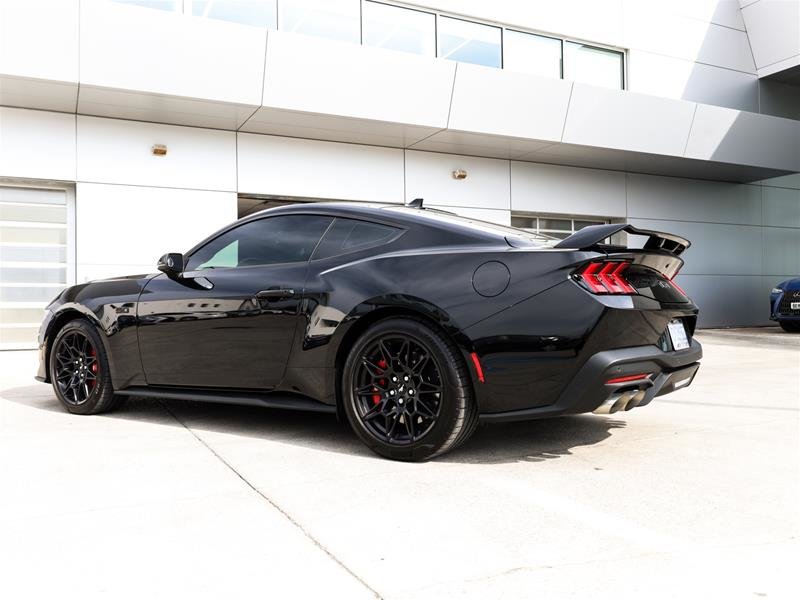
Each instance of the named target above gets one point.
<point>275,293</point>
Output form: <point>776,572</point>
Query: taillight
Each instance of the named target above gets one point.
<point>605,277</point>
<point>675,285</point>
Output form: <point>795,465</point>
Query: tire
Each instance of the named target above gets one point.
<point>408,402</point>
<point>790,326</point>
<point>79,370</point>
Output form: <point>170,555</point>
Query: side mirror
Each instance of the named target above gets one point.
<point>172,264</point>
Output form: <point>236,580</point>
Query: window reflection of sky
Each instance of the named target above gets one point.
<point>397,28</point>
<point>465,41</point>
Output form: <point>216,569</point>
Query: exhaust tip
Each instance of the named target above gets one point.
<point>622,401</point>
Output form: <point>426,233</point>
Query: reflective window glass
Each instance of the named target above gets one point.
<point>260,13</point>
<point>596,66</point>
<point>398,28</point>
<point>170,5</point>
<point>534,54</point>
<point>336,19</point>
<point>351,235</point>
<point>470,42</point>
<point>283,239</point>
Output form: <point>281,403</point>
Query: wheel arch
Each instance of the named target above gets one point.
<point>64,316</point>
<point>432,316</point>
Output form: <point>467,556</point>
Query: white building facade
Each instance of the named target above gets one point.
<point>130,129</point>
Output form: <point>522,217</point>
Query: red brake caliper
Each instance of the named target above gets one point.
<point>376,398</point>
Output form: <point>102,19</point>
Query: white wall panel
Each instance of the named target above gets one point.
<point>505,103</point>
<point>40,94</point>
<point>781,250</point>
<point>726,300</point>
<point>429,176</point>
<point>652,197</point>
<point>135,48</point>
<point>774,29</point>
<point>312,169</point>
<point>37,144</point>
<point>670,34</point>
<point>786,181</point>
<point>669,77</point>
<point>732,136</point>
<point>543,188</point>
<point>124,229</point>
<point>116,151</point>
<point>317,75</point>
<point>781,207</point>
<point>39,39</point>
<point>501,217</point>
<point>716,249</point>
<point>627,121</point>
<point>721,12</point>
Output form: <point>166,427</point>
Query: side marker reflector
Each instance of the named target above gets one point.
<point>478,368</point>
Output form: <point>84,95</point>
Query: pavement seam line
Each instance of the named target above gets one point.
<point>272,503</point>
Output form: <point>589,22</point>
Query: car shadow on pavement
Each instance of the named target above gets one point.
<point>524,441</point>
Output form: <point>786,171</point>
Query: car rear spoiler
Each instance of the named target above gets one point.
<point>591,238</point>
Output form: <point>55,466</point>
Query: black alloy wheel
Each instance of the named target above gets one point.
<point>79,370</point>
<point>76,367</point>
<point>406,390</point>
<point>398,389</point>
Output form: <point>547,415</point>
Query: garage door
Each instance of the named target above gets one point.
<point>34,242</point>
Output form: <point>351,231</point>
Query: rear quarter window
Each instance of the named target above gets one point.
<point>351,235</point>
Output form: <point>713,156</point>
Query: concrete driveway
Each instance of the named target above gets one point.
<point>694,496</point>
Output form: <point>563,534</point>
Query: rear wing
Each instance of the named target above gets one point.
<point>591,238</point>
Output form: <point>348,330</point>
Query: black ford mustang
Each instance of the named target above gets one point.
<point>414,324</point>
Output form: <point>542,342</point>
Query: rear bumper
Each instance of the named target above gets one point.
<point>589,392</point>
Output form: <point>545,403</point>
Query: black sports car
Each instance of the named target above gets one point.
<point>413,324</point>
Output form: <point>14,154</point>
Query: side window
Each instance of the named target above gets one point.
<point>284,239</point>
<point>350,235</point>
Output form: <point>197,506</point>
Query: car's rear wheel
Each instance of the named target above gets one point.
<point>406,391</point>
<point>79,370</point>
<point>790,326</point>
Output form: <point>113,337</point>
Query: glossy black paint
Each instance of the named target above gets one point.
<point>285,329</point>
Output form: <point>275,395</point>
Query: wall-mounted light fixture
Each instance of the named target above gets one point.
<point>159,150</point>
<point>459,174</point>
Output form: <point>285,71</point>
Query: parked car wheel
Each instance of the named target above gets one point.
<point>790,326</point>
<point>79,370</point>
<point>407,392</point>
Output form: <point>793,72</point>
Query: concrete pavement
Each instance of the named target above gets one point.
<point>694,496</point>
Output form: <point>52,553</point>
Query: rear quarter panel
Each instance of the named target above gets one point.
<point>437,283</point>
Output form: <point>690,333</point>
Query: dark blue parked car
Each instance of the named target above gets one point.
<point>784,304</point>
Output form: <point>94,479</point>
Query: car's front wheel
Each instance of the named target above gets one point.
<point>407,392</point>
<point>790,326</point>
<point>79,370</point>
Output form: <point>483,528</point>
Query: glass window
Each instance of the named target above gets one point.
<point>260,13</point>
<point>398,28</point>
<point>284,239</point>
<point>470,42</point>
<point>350,235</point>
<point>556,228</point>
<point>336,19</point>
<point>171,5</point>
<point>528,53</point>
<point>596,66</point>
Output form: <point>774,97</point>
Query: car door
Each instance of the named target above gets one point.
<point>229,320</point>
